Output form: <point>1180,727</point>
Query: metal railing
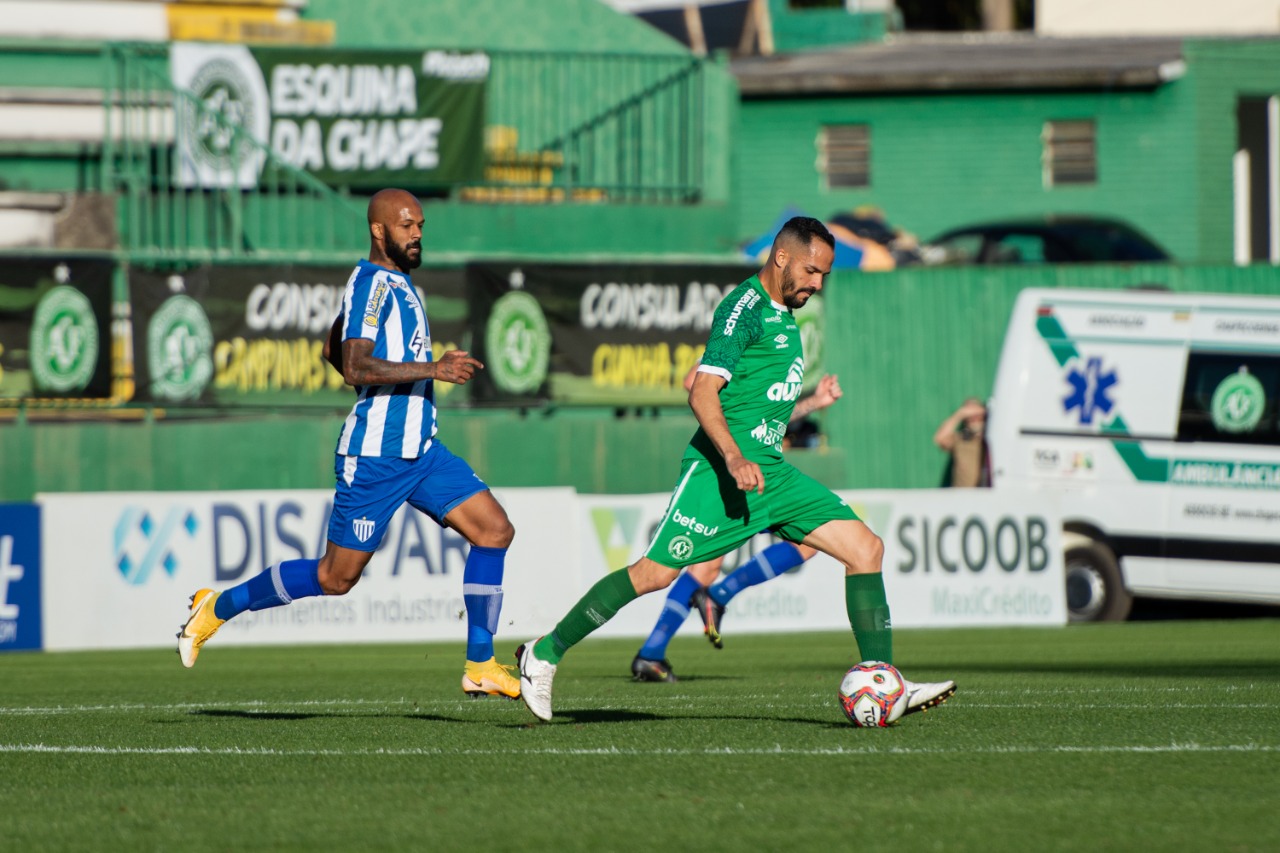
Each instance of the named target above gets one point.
<point>596,128</point>
<point>284,213</point>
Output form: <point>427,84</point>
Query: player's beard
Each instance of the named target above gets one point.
<point>792,296</point>
<point>400,256</point>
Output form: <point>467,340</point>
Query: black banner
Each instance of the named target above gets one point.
<point>622,335</point>
<point>254,335</point>
<point>55,328</point>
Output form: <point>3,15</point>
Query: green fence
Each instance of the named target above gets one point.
<point>589,128</point>
<point>597,127</point>
<point>910,346</point>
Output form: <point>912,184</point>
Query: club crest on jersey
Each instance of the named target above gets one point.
<point>363,528</point>
<point>770,435</point>
<point>374,305</point>
<point>789,390</point>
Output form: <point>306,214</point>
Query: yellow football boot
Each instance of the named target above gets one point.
<point>490,679</point>
<point>202,625</point>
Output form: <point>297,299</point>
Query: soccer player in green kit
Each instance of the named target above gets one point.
<point>734,481</point>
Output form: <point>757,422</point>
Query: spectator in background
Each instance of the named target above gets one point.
<point>963,436</point>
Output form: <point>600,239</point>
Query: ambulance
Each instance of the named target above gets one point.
<point>1155,419</point>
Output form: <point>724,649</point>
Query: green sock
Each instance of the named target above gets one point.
<point>868,610</point>
<point>601,603</point>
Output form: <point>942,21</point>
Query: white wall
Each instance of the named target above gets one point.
<point>95,20</point>
<point>1156,17</point>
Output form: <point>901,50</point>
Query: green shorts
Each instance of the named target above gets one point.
<point>709,515</point>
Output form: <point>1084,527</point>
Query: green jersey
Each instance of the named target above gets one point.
<point>755,346</point>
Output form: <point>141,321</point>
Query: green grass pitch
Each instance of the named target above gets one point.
<point>1141,736</point>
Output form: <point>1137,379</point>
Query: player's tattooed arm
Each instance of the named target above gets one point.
<point>361,368</point>
<point>704,399</point>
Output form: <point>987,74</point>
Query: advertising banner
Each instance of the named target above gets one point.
<point>55,328</point>
<point>351,118</point>
<point>955,557</point>
<point>254,335</point>
<point>124,578</point>
<point>19,577</point>
<point>952,558</point>
<point>620,335</point>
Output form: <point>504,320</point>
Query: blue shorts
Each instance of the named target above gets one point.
<point>371,488</point>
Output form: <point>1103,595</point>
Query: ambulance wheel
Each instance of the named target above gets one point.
<point>1095,587</point>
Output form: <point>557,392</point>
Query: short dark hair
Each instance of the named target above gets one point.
<point>804,229</point>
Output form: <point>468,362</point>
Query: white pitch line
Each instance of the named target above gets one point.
<point>727,751</point>
<point>668,701</point>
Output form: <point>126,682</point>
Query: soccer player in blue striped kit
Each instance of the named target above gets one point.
<point>388,455</point>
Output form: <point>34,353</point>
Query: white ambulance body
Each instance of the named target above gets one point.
<point>1156,418</point>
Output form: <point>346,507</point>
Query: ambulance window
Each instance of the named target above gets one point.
<point>1231,398</point>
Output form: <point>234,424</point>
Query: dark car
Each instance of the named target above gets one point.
<point>1052,240</point>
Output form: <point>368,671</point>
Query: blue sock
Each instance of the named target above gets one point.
<point>482,594</point>
<point>278,585</point>
<point>767,565</point>
<point>673,614</point>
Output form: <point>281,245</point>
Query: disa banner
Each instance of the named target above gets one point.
<point>254,335</point>
<point>351,118</point>
<point>622,335</point>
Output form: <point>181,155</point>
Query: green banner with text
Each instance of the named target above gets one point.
<point>352,118</point>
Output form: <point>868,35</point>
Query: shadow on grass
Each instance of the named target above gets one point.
<point>622,715</point>
<point>293,716</point>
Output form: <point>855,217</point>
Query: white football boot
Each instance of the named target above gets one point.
<point>927,694</point>
<point>536,676</point>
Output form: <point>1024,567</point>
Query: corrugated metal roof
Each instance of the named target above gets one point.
<point>967,62</point>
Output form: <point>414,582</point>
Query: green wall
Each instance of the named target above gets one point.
<point>801,28</point>
<point>944,160</point>
<point>563,25</point>
<point>1224,71</point>
<point>940,160</point>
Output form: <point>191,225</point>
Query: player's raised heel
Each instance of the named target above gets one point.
<point>927,694</point>
<point>490,678</point>
<point>711,612</point>
<point>201,625</point>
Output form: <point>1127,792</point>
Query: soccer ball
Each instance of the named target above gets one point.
<point>872,694</point>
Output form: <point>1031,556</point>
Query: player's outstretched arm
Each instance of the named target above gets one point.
<point>827,392</point>
<point>360,367</point>
<point>704,399</point>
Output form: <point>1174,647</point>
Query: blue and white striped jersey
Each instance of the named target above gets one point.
<point>388,420</point>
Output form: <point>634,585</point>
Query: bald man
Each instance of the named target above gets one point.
<point>734,481</point>
<point>388,455</point>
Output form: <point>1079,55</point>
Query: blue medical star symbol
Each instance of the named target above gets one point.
<point>1089,390</point>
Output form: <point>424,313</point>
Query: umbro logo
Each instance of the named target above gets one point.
<point>363,528</point>
<point>782,342</point>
